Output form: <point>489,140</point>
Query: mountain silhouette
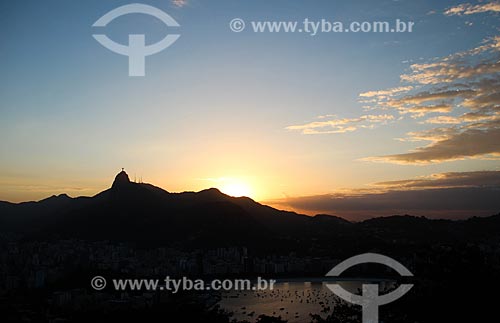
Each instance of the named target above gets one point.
<point>146,214</point>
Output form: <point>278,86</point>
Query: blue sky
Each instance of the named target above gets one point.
<point>216,106</point>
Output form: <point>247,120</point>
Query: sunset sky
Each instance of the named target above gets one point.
<point>339,123</point>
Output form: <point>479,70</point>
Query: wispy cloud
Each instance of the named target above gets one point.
<point>469,9</point>
<point>447,180</point>
<point>335,125</point>
<point>386,93</point>
<point>468,80</point>
<point>444,120</point>
<point>179,3</point>
<point>471,143</point>
<point>457,66</point>
<point>459,92</point>
<point>422,110</point>
<point>433,135</point>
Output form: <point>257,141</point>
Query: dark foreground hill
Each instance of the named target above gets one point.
<point>51,249</point>
<point>145,214</point>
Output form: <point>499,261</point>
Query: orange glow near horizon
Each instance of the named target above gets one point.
<point>236,189</point>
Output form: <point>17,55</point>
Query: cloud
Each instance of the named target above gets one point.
<point>470,143</point>
<point>450,203</point>
<point>386,93</point>
<point>447,71</point>
<point>434,134</point>
<point>447,180</point>
<point>444,120</point>
<point>484,99</point>
<point>427,96</point>
<point>460,90</point>
<point>446,195</point>
<point>484,114</point>
<point>179,3</point>
<point>420,111</point>
<point>471,135</point>
<point>469,9</point>
<point>340,125</point>
<point>468,80</point>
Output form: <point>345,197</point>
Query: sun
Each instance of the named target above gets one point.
<point>236,189</point>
